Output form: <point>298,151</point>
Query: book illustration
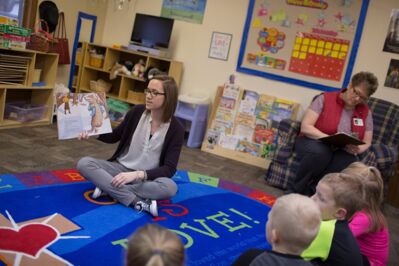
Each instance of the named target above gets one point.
<point>82,112</point>
<point>277,114</point>
<point>227,103</point>
<point>223,126</point>
<point>248,147</point>
<point>228,141</point>
<point>264,106</point>
<point>263,133</point>
<point>341,139</point>
<point>244,132</point>
<point>231,91</point>
<point>284,104</point>
<point>245,120</point>
<point>224,115</point>
<point>248,102</point>
<point>267,150</point>
<point>263,123</point>
<point>212,138</point>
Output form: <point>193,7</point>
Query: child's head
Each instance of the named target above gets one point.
<point>373,184</point>
<point>293,223</point>
<point>339,196</point>
<point>373,187</point>
<point>154,245</point>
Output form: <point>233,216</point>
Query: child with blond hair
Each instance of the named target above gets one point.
<point>338,196</point>
<point>369,225</point>
<point>292,225</point>
<point>154,245</point>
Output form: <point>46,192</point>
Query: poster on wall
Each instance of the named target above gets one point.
<point>392,78</point>
<point>307,43</point>
<point>220,45</point>
<point>391,43</point>
<point>186,10</point>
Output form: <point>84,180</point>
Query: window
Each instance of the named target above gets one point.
<point>13,9</point>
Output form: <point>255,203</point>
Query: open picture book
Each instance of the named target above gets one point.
<point>341,139</point>
<point>82,112</point>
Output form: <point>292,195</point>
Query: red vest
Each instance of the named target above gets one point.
<point>332,111</point>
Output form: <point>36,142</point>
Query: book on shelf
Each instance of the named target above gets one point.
<point>341,139</point>
<point>82,112</point>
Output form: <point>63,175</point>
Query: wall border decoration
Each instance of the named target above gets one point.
<point>278,37</point>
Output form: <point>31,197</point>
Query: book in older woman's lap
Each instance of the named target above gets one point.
<point>341,139</point>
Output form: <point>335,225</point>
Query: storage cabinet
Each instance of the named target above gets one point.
<point>26,98</point>
<point>126,88</point>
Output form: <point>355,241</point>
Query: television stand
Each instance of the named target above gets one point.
<point>149,50</point>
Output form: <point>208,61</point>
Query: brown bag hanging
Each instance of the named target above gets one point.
<point>60,44</point>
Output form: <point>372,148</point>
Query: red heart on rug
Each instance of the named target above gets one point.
<point>29,239</point>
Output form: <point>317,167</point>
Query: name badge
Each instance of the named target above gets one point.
<point>358,122</point>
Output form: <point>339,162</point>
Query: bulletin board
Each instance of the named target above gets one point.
<point>311,43</point>
<point>243,125</point>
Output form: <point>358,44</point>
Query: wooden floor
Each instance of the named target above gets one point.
<point>38,149</point>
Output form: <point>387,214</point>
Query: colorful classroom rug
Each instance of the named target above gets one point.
<point>49,218</point>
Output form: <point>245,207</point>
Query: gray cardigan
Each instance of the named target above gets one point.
<point>171,148</point>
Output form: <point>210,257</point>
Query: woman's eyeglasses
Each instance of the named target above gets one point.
<point>153,93</point>
<point>357,93</point>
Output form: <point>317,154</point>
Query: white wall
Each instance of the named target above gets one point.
<point>190,44</point>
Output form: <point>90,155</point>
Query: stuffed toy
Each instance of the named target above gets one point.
<point>139,69</point>
<point>118,69</point>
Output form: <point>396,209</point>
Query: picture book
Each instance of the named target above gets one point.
<point>82,112</point>
<point>264,106</point>
<point>282,109</point>
<point>230,91</point>
<point>228,141</point>
<point>263,131</point>
<point>212,138</point>
<point>248,147</point>
<point>248,102</point>
<point>341,140</point>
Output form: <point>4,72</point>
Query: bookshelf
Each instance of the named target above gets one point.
<point>125,88</point>
<point>26,99</point>
<point>243,125</point>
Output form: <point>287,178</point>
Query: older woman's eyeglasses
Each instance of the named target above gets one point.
<point>358,94</point>
<point>153,93</point>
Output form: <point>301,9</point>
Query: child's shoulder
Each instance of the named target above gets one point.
<point>360,217</point>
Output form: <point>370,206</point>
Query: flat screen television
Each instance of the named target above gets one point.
<point>151,31</point>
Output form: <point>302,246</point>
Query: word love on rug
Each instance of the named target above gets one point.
<point>49,218</point>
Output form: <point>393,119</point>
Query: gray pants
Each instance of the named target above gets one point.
<point>101,172</point>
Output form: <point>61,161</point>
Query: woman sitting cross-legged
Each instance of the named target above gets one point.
<point>331,112</point>
<point>150,141</point>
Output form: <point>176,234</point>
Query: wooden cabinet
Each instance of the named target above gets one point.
<point>27,81</point>
<point>126,88</point>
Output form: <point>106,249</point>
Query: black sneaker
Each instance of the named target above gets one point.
<point>149,206</point>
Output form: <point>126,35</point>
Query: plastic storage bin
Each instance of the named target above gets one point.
<point>193,108</point>
<point>23,112</point>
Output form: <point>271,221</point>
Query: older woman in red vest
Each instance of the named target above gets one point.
<point>331,112</point>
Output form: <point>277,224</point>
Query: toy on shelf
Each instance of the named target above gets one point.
<point>119,69</point>
<point>139,69</point>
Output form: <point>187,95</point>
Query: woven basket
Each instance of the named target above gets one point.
<point>40,40</point>
<point>100,86</point>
